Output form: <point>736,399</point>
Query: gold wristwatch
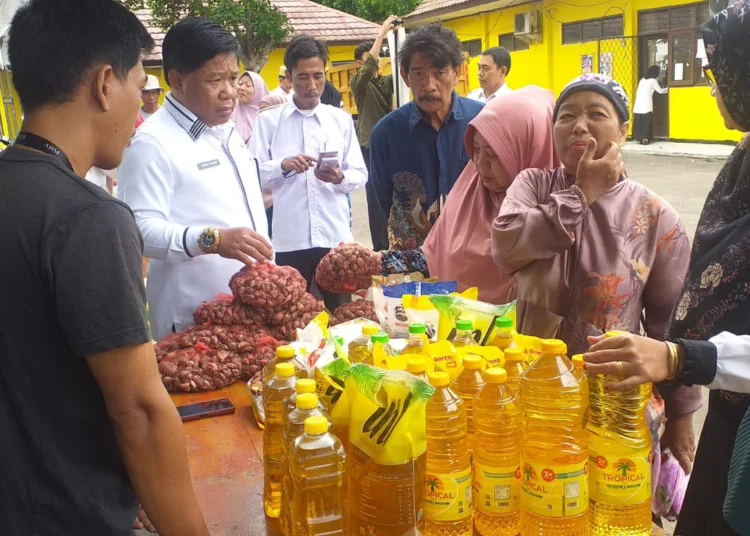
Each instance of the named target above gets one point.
<point>209,240</point>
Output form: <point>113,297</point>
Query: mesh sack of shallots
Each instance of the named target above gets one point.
<point>268,286</point>
<point>304,307</point>
<point>167,345</point>
<point>354,310</point>
<point>347,269</point>
<point>252,364</point>
<point>199,369</point>
<point>227,311</point>
<point>235,338</point>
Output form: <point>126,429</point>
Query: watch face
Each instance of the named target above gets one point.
<point>208,240</point>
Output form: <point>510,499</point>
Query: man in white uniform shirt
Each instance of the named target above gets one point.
<point>284,89</point>
<point>188,179</point>
<point>494,67</point>
<point>310,197</point>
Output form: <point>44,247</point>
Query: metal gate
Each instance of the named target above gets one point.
<point>618,58</point>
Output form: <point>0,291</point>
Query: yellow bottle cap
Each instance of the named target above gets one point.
<point>284,370</point>
<point>472,362</point>
<point>552,346</point>
<point>577,361</point>
<point>514,354</point>
<point>316,425</point>
<point>307,401</point>
<point>495,375</point>
<point>612,334</point>
<point>370,330</point>
<point>305,385</point>
<point>284,352</point>
<point>439,379</point>
<point>416,365</point>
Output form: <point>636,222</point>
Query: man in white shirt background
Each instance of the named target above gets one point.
<point>150,97</point>
<point>284,89</point>
<point>494,67</point>
<point>309,193</point>
<point>188,179</point>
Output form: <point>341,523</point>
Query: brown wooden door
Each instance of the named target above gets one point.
<point>654,50</point>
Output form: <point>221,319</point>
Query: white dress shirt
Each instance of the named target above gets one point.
<point>281,93</point>
<point>308,213</point>
<point>180,177</point>
<point>644,96</point>
<point>478,94</point>
<point>733,363</point>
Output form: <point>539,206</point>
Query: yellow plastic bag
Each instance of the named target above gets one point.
<point>483,315</point>
<point>531,346</point>
<point>387,444</point>
<point>445,359</point>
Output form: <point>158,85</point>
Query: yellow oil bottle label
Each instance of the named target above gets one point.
<point>554,490</point>
<point>497,490</point>
<point>620,480</point>
<point>273,469</point>
<point>448,497</point>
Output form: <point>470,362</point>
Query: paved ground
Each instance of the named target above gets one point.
<point>683,181</point>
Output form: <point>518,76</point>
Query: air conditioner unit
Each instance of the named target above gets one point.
<point>717,6</point>
<point>526,26</point>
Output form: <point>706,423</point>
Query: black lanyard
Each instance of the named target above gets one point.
<point>40,144</point>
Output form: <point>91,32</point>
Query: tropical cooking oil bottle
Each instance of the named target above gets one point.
<point>497,471</point>
<point>619,457</point>
<point>418,367</point>
<point>554,450</point>
<point>307,406</point>
<point>284,354</point>
<point>515,365</point>
<point>381,349</point>
<point>503,334</point>
<point>319,479</point>
<point>467,385</point>
<point>360,349</point>
<point>417,339</point>
<point>305,385</point>
<point>448,495</point>
<point>464,334</point>
<point>275,393</point>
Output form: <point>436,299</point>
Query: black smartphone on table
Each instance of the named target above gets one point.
<point>203,410</point>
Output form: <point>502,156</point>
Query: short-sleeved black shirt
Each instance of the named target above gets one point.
<point>70,286</point>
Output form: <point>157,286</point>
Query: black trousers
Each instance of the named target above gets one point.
<point>643,127</point>
<point>378,222</point>
<point>306,261</point>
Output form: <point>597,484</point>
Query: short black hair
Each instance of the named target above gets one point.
<point>653,72</point>
<point>190,43</point>
<point>438,43</point>
<point>54,45</point>
<point>304,47</point>
<point>500,56</point>
<point>362,49</point>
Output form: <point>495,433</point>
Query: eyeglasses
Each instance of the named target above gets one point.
<point>708,73</point>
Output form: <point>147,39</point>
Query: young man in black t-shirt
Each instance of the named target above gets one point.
<point>85,422</point>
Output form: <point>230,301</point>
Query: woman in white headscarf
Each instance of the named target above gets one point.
<point>250,90</point>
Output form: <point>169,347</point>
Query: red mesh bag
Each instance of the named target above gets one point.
<point>252,364</point>
<point>199,369</point>
<point>227,311</point>
<point>268,286</point>
<point>306,306</point>
<point>354,310</point>
<point>234,338</point>
<point>167,345</point>
<point>347,269</point>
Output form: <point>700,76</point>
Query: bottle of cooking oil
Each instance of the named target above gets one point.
<point>619,449</point>
<point>578,365</point>
<point>284,354</point>
<point>464,334</point>
<point>418,367</point>
<point>417,339</point>
<point>448,505</point>
<point>305,385</point>
<point>503,334</point>
<point>381,349</point>
<point>467,385</point>
<point>275,393</point>
<point>515,365</point>
<point>319,479</point>
<point>306,406</point>
<point>554,451</point>
<point>497,471</point>
<point>360,349</point>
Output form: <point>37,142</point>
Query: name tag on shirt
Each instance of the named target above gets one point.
<point>207,165</point>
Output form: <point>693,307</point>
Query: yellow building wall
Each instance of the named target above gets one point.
<point>270,71</point>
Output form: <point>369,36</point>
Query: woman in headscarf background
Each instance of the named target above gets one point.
<point>591,250</point>
<point>510,134</point>
<point>271,100</point>
<point>250,91</point>
<point>710,332</point>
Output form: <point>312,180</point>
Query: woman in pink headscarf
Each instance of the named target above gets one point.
<point>271,100</point>
<point>250,91</point>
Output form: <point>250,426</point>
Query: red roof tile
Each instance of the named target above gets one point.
<point>306,17</point>
<point>439,7</point>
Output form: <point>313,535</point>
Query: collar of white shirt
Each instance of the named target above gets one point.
<point>190,122</point>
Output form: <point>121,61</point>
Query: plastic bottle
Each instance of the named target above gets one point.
<point>418,367</point>
<point>360,348</point>
<point>307,405</point>
<point>503,338</point>
<point>554,450</point>
<point>497,457</point>
<point>449,501</point>
<point>305,385</point>
<point>284,354</point>
<point>417,338</point>
<point>464,334</point>
<point>578,364</point>
<point>381,349</point>
<point>515,365</point>
<point>467,385</point>
<point>319,479</point>
<point>619,449</point>
<point>275,393</point>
